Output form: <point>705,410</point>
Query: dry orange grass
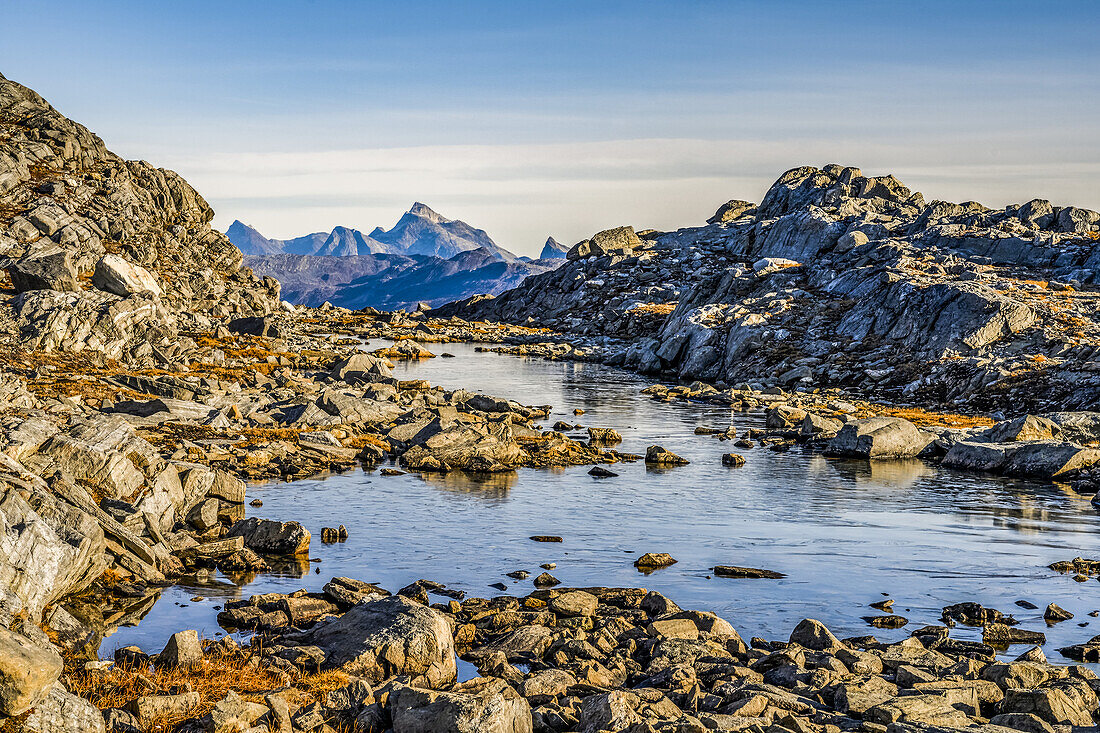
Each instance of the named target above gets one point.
<point>220,673</point>
<point>654,309</point>
<point>920,417</point>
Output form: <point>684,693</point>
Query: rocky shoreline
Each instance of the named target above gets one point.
<point>581,659</point>
<point>146,375</point>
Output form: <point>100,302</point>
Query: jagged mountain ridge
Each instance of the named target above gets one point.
<point>553,249</point>
<point>419,231</point>
<point>841,279</point>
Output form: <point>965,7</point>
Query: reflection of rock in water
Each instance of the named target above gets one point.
<point>483,485</point>
<point>98,619</point>
<point>899,473</point>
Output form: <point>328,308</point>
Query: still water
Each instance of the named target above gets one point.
<point>846,533</point>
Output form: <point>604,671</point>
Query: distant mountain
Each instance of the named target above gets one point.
<point>419,231</point>
<point>345,242</point>
<point>553,250</point>
<point>424,257</point>
<point>251,242</point>
<point>390,281</point>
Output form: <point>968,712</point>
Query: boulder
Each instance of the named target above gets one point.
<point>609,242</point>
<point>232,714</point>
<point>812,634</point>
<point>653,560</point>
<point>574,603</point>
<point>114,274</point>
<point>732,210</point>
<point>1054,706</point>
<point>783,417</point>
<point>928,709</point>
<point>879,437</point>
<point>618,710</point>
<point>47,269</point>
<point>361,368</point>
<point>479,705</point>
<point>655,455</point>
<point>523,643</point>
<point>270,537</point>
<point>1026,722</point>
<point>182,651</point>
<point>546,685</point>
<point>859,696</point>
<point>49,547</point>
<point>27,672</point>
<point>255,326</point>
<point>387,637</point>
<point>63,712</point>
<point>1025,428</point>
<point>1048,459</point>
<point>969,455</point>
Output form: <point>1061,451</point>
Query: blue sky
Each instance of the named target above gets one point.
<point>530,119</point>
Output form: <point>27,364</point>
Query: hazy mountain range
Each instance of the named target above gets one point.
<point>424,257</point>
<point>419,231</point>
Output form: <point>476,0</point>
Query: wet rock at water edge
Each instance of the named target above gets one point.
<point>601,472</point>
<point>1055,613</point>
<point>604,435</point>
<point>391,472</point>
<point>387,637</point>
<point>886,605</point>
<point>735,571</point>
<point>654,560</point>
<point>1001,635</point>
<point>546,538</point>
<point>272,537</point>
<point>733,460</point>
<point>655,455</point>
<point>546,580</point>
<point>886,622</point>
<point>974,614</point>
<point>518,574</point>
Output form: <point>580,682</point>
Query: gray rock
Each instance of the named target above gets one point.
<point>182,651</point>
<point>879,437</point>
<point>812,634</point>
<point>115,274</point>
<point>47,269</point>
<point>63,712</point>
<point>271,537</point>
<point>480,705</point>
<point>27,672</point>
<point>387,637</point>
<point>732,210</point>
<point>361,368</point>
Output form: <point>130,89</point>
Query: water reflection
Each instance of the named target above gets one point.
<point>492,486</point>
<point>843,531</point>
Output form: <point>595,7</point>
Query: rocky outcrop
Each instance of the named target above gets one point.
<point>633,660</point>
<point>387,637</point>
<point>480,705</point>
<point>838,279</point>
<point>71,208</point>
